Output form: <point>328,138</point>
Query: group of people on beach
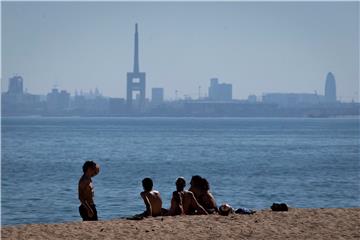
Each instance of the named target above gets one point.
<point>197,200</point>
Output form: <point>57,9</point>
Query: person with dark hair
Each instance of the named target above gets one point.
<point>206,198</point>
<point>201,189</point>
<point>152,200</point>
<point>87,208</point>
<point>195,186</point>
<point>184,202</point>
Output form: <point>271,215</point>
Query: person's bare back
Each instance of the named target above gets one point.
<point>152,199</point>
<point>153,202</point>
<point>190,204</point>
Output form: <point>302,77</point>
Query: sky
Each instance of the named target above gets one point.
<point>259,47</point>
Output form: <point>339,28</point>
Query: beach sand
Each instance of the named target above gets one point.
<point>295,224</point>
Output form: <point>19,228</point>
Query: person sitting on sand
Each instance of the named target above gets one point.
<point>87,208</point>
<point>184,202</point>
<point>152,200</point>
<point>201,189</point>
<point>195,186</point>
<point>207,200</point>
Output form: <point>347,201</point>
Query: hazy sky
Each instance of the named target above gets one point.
<point>258,47</point>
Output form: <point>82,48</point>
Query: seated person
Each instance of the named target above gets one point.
<point>184,202</point>
<point>195,186</point>
<point>152,200</point>
<point>201,189</point>
<point>206,198</point>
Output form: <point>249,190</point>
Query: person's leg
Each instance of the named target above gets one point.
<point>95,217</point>
<point>83,213</point>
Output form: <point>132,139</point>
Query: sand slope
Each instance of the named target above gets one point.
<point>295,224</point>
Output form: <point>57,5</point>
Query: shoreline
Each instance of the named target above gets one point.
<point>357,116</point>
<point>317,223</point>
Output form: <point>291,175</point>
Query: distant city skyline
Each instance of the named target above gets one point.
<point>257,47</point>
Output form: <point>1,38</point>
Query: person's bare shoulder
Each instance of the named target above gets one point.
<point>188,193</point>
<point>84,182</point>
<point>210,194</point>
<point>156,193</point>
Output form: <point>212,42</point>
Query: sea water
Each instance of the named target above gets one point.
<point>249,162</point>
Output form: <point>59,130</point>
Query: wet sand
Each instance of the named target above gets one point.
<point>296,224</point>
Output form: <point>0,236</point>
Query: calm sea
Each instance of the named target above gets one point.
<point>307,163</point>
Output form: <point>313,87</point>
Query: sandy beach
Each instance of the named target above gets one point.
<point>265,224</point>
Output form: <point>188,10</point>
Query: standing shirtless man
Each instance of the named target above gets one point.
<point>87,208</point>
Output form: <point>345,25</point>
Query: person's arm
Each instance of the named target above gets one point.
<point>176,207</point>
<point>84,190</point>
<point>173,205</point>
<point>197,206</point>
<point>147,204</point>
<point>212,201</point>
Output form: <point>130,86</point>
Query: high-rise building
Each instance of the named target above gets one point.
<point>330,88</point>
<point>219,91</point>
<point>16,101</point>
<point>157,95</point>
<point>57,102</point>
<point>16,85</point>
<point>136,79</point>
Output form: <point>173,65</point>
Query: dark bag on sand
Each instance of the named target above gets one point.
<point>279,207</point>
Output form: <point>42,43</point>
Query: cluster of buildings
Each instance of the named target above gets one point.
<point>15,100</point>
<point>293,99</point>
<point>219,101</point>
